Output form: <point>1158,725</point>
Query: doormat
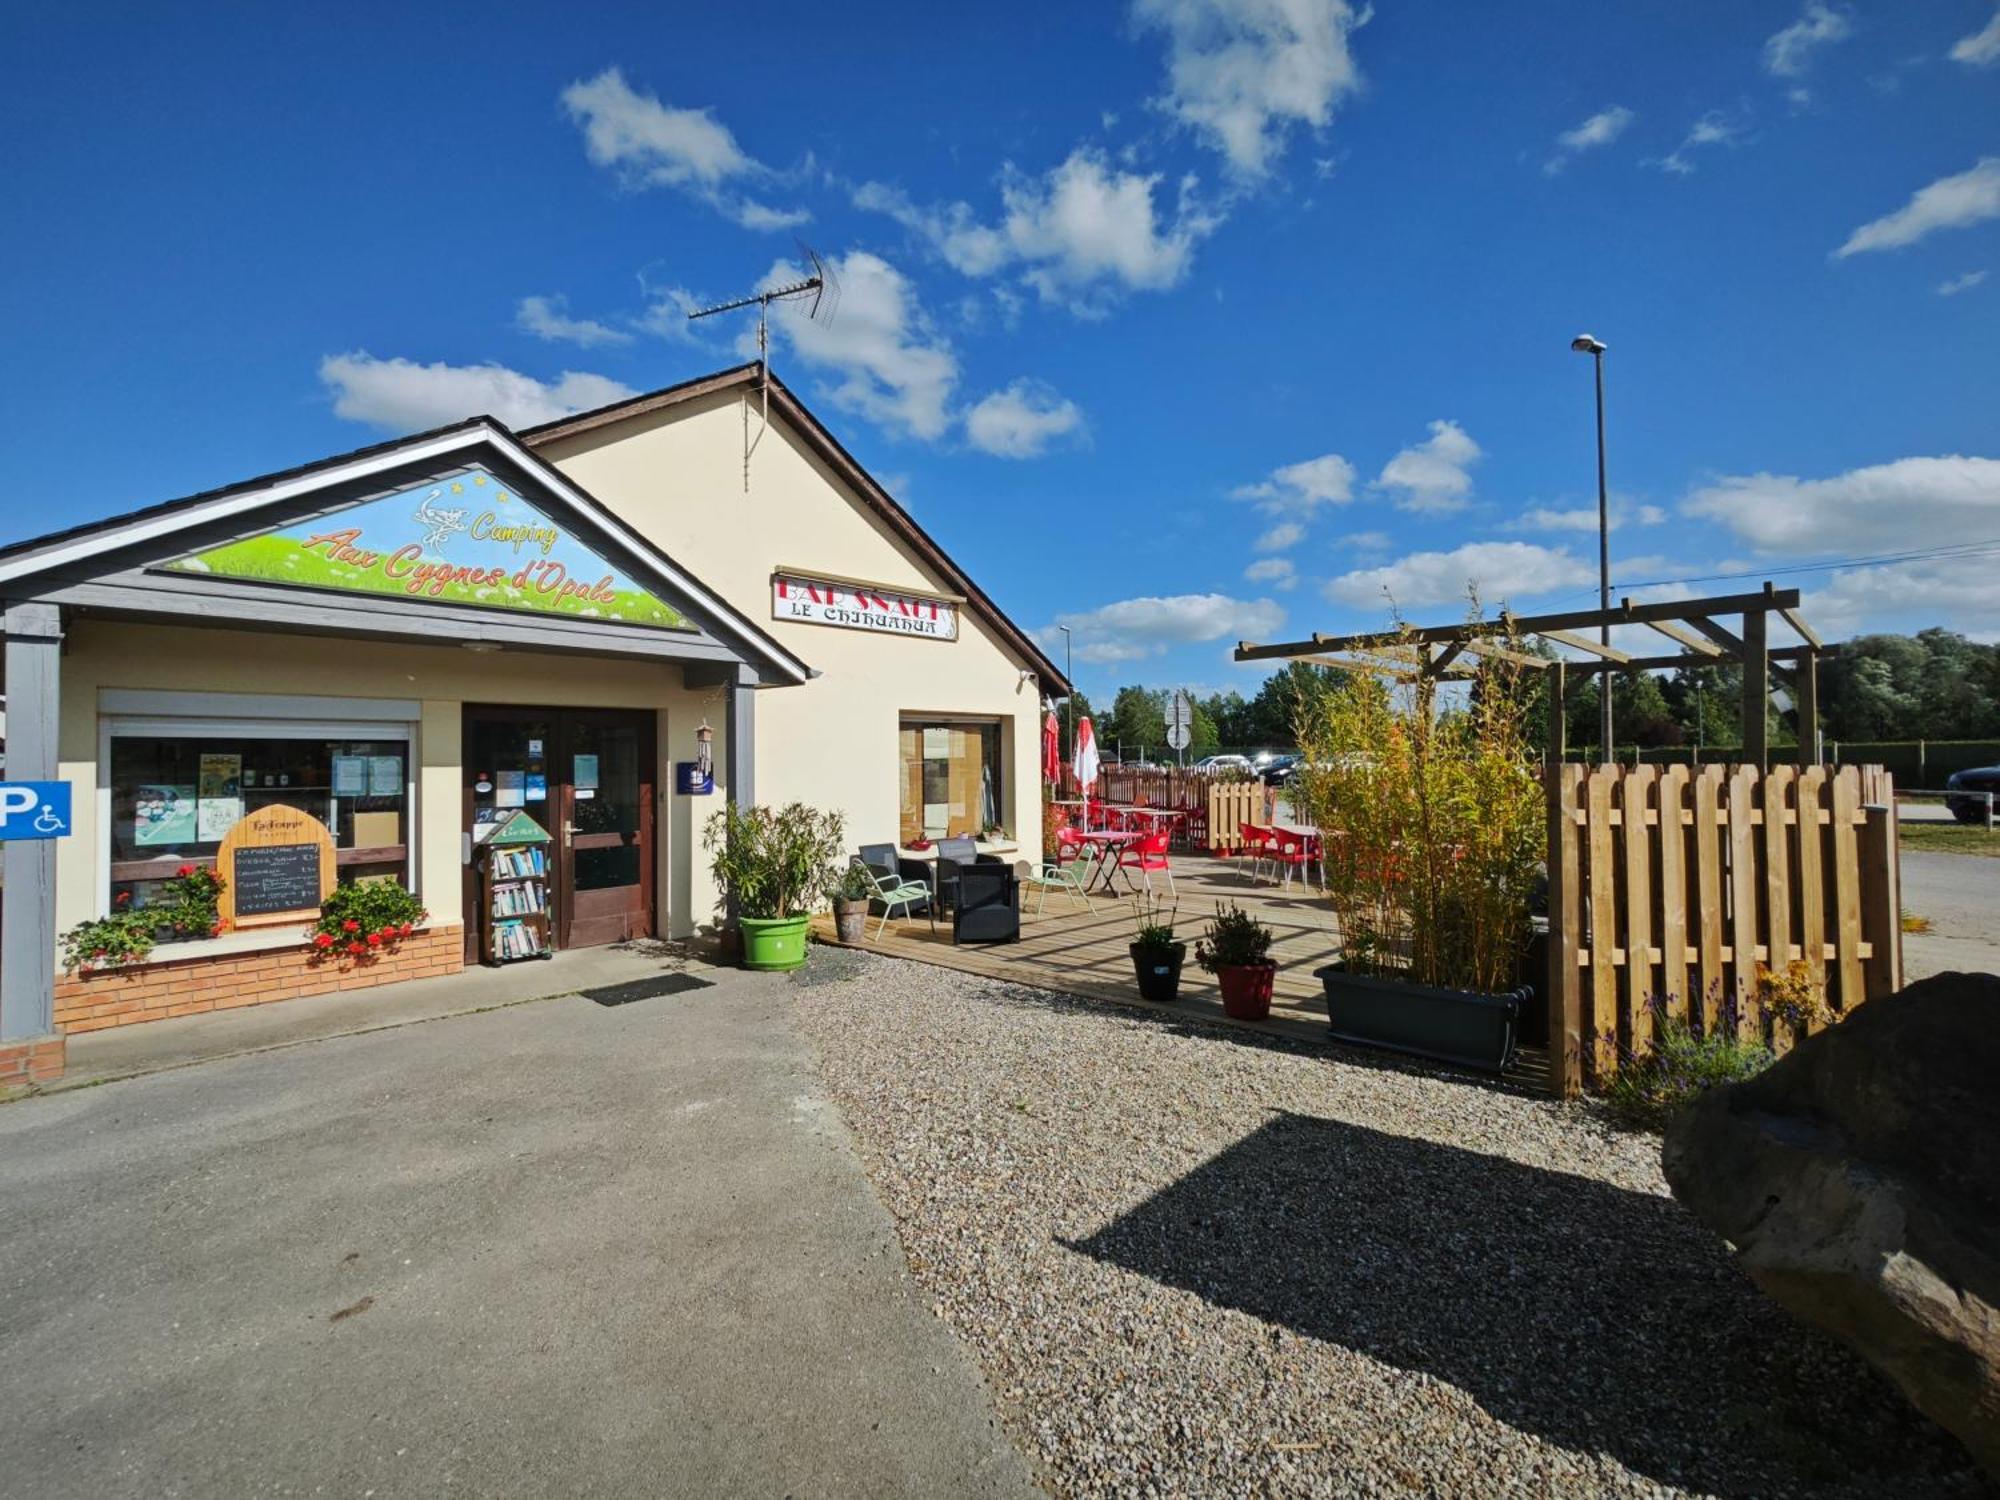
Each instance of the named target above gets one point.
<point>647,989</point>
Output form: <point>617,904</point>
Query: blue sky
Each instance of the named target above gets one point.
<point>1179,322</point>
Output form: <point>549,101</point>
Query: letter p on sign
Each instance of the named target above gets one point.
<point>34,809</point>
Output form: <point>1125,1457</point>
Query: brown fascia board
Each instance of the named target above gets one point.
<point>828,447</point>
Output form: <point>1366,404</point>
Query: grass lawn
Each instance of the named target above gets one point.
<point>1952,838</point>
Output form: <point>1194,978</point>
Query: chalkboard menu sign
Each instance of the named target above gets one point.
<point>277,877</point>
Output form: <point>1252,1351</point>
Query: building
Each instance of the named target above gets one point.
<point>407,640</point>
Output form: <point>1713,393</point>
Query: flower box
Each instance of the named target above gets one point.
<point>1469,1028</point>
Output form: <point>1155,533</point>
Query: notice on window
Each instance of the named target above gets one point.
<point>937,744</point>
<point>163,815</point>
<point>536,788</point>
<point>510,789</point>
<point>385,775</point>
<point>215,816</point>
<point>350,776</point>
<point>221,776</point>
<point>585,772</point>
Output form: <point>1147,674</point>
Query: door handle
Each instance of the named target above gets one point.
<point>569,829</point>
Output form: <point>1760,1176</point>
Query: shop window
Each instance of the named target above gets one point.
<point>950,778</point>
<point>174,797</point>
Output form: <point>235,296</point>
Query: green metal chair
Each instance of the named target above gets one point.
<point>899,896</point>
<point>1072,876</point>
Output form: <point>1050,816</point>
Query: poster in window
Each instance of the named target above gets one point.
<point>350,776</point>
<point>385,775</point>
<point>937,744</point>
<point>163,814</point>
<point>585,772</point>
<point>510,789</point>
<point>215,816</point>
<point>536,788</point>
<point>221,777</point>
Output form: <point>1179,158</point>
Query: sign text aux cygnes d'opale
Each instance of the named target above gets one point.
<point>461,540</point>
<point>862,606</point>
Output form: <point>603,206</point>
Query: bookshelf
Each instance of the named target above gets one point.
<point>514,914</point>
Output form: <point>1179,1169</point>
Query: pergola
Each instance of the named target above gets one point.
<point>1693,625</point>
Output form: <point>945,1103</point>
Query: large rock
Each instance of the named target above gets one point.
<point>1859,1180</point>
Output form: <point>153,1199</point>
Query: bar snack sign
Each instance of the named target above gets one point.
<point>861,606</point>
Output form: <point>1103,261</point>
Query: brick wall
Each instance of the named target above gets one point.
<point>189,986</point>
<point>25,1063</point>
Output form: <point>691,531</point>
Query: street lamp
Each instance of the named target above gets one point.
<point>1583,343</point>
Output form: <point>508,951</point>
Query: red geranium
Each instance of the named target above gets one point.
<point>123,898</point>
<point>406,930</point>
<point>350,925</point>
<point>356,948</point>
<point>184,871</point>
<point>322,940</point>
<point>374,939</point>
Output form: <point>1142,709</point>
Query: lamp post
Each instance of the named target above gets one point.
<point>1583,343</point>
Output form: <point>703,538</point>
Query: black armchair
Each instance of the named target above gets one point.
<point>987,908</point>
<point>954,858</point>
<point>883,860</point>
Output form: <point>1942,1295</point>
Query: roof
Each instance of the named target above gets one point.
<point>827,446</point>
<point>80,543</point>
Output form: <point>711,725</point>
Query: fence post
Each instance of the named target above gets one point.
<point>1881,902</point>
<point>1564,983</point>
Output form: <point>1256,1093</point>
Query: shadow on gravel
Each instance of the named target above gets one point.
<point>1601,1319</point>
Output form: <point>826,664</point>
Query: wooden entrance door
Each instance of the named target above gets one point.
<point>586,775</point>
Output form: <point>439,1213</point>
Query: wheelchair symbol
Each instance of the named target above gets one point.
<point>46,821</point>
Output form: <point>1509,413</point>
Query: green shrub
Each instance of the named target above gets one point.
<point>1153,925</point>
<point>1234,940</point>
<point>775,864</point>
<point>365,918</point>
<point>1653,1085</point>
<point>124,937</point>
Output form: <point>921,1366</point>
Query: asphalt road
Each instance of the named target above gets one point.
<point>554,1249</point>
<point>1960,894</point>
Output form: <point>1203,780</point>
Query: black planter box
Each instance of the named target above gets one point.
<point>1465,1027</point>
<point>1158,971</point>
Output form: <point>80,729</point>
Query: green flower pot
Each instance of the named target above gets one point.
<point>774,942</point>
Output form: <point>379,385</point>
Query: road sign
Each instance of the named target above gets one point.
<point>1180,719</point>
<point>34,809</point>
<point>1177,737</point>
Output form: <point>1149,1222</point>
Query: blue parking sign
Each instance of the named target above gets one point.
<point>34,809</point>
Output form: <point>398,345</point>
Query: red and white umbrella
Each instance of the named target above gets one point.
<point>1051,748</point>
<point>1086,764</point>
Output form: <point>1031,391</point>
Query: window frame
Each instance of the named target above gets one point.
<point>999,724</point>
<point>177,726</point>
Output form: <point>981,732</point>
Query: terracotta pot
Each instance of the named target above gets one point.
<point>1246,990</point>
<point>850,919</point>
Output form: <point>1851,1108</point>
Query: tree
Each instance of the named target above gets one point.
<point>1204,737</point>
<point>1268,717</point>
<point>1138,723</point>
<point>1227,711</point>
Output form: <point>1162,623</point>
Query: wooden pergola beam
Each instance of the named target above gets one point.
<point>1685,636</point>
<point>1626,614</point>
<point>1585,643</point>
<point>1518,658</point>
<point>1805,631</point>
<point>1675,663</point>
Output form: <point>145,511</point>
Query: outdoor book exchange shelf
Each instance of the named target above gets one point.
<point>514,891</point>
<point>1678,884</point>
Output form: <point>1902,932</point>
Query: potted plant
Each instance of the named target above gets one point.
<point>774,867</point>
<point>1156,955</point>
<point>851,896</point>
<point>365,920</point>
<point>188,905</point>
<point>1435,827</point>
<point>1236,949</point>
<point>124,937</point>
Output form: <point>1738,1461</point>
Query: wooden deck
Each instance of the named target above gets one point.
<point>1079,950</point>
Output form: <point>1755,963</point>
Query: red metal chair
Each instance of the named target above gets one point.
<point>1147,855</point>
<point>1291,851</point>
<point>1256,844</point>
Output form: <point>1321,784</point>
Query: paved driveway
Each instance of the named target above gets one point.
<point>555,1249</point>
<point>1960,895</point>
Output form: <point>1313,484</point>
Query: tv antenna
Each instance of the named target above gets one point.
<point>820,292</point>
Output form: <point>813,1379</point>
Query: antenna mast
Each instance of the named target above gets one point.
<point>824,290</point>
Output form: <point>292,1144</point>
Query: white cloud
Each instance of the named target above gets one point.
<point>1982,48</point>
<point>1959,284</point>
<point>1949,203</point>
<point>1892,507</point>
<point>1273,572</point>
<point>1584,517</point>
<point>1301,488</point>
<point>1133,629</point>
<point>1243,73</point>
<point>890,363</point>
<point>1432,476</point>
<point>653,144</point>
<point>1788,53</point>
<point>1712,129</point>
<point>1498,571</point>
<point>1908,597</point>
<point>548,318</point>
<point>400,395</point>
<point>1021,421</point>
<point>1367,541</point>
<point>1081,233</point>
<point>1601,129</point>
<point>1278,538</point>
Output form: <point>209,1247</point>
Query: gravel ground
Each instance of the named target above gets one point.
<point>1195,1265</point>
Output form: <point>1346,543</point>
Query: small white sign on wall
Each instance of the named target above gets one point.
<point>856,606</point>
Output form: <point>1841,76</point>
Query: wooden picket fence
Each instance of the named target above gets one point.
<point>1669,888</point>
<point>1231,804</point>
<point>1192,794</point>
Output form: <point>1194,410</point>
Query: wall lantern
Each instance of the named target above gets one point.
<point>696,778</point>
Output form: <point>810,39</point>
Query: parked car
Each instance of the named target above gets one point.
<point>1213,763</point>
<point>1278,769</point>
<point>1971,809</point>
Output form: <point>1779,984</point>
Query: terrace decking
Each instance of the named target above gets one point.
<point>1084,952</point>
